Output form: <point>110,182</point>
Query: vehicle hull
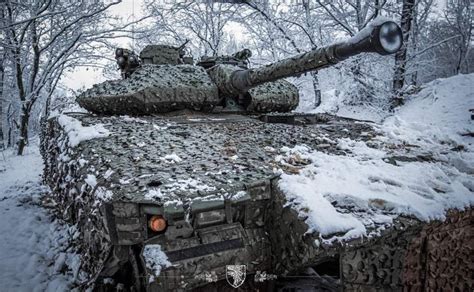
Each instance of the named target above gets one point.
<point>250,223</point>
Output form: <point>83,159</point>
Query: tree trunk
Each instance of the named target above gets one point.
<point>24,119</point>
<point>9,125</point>
<point>461,56</point>
<point>9,141</point>
<point>317,91</point>
<point>314,74</point>
<point>415,32</point>
<point>401,56</point>
<point>2,78</point>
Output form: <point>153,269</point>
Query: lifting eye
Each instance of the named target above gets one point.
<point>157,223</point>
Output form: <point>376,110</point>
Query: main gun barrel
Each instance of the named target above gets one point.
<point>379,37</point>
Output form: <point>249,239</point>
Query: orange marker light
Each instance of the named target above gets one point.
<point>157,223</point>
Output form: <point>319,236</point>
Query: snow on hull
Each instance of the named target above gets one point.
<point>78,133</point>
<point>379,190</point>
<point>421,166</point>
<point>155,260</point>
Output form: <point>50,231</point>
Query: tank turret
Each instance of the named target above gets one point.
<point>157,87</point>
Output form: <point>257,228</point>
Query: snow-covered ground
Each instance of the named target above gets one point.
<point>34,249</point>
<point>421,165</point>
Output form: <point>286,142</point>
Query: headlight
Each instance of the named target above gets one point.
<point>157,223</point>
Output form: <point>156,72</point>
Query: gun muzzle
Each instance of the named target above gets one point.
<point>384,39</point>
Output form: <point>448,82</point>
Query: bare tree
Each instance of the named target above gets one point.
<point>420,18</point>
<point>309,30</point>
<point>458,15</point>
<point>3,54</point>
<point>300,17</point>
<point>440,42</point>
<point>201,22</point>
<point>408,11</point>
<point>2,78</point>
<point>46,37</point>
<point>349,17</point>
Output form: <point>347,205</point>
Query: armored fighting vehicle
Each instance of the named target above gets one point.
<point>172,179</point>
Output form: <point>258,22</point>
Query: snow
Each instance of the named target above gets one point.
<point>192,185</point>
<point>108,173</point>
<point>239,195</point>
<point>35,254</point>
<point>78,133</point>
<point>421,189</point>
<point>153,194</point>
<point>438,119</point>
<point>431,123</point>
<point>82,162</point>
<point>367,30</point>
<point>91,180</point>
<point>438,114</point>
<point>335,102</point>
<point>234,157</point>
<point>104,194</point>
<point>159,128</point>
<point>133,120</point>
<point>172,158</point>
<point>155,259</point>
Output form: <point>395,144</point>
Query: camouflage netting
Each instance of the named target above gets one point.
<point>75,197</point>
<point>178,160</point>
<point>278,96</point>
<point>189,156</point>
<point>152,89</point>
<point>165,160</point>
